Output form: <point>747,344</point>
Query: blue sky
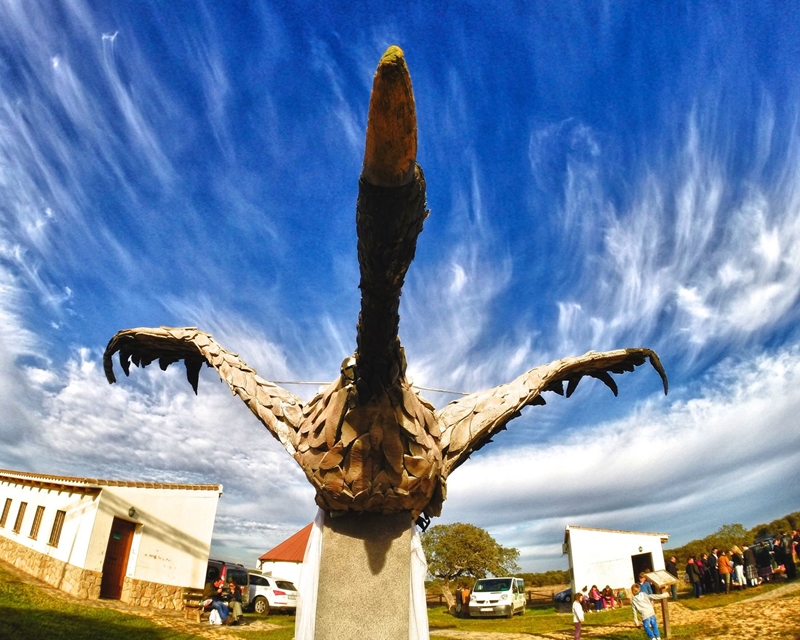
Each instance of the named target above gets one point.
<point>600,175</point>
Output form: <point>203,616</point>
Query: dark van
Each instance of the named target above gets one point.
<point>227,570</point>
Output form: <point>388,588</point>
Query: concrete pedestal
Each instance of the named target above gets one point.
<point>364,577</point>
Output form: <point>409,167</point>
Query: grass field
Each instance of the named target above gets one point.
<point>31,612</point>
<point>27,612</point>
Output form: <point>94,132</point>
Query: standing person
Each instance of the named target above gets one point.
<point>694,577</point>
<point>644,584</point>
<point>712,565</point>
<point>796,543</point>
<point>777,555</point>
<point>577,614</point>
<point>738,566</point>
<point>465,591</point>
<point>642,606</point>
<point>672,568</point>
<point>764,562</point>
<point>750,570</point>
<point>788,556</point>
<point>725,569</point>
<point>700,562</point>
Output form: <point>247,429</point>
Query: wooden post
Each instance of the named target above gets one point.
<point>665,617</point>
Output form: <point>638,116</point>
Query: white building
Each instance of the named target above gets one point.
<point>139,542</point>
<point>607,557</point>
<point>286,560</point>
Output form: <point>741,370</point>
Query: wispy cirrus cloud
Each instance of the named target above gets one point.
<point>693,255</point>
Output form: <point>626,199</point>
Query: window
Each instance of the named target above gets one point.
<point>6,509</point>
<point>20,516</point>
<point>258,581</point>
<point>55,533</point>
<point>37,521</point>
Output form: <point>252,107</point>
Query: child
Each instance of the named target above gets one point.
<point>577,614</point>
<point>643,608</point>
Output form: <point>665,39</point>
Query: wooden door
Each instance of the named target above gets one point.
<point>116,563</point>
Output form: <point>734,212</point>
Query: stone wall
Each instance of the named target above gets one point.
<point>83,583</point>
<point>152,594</point>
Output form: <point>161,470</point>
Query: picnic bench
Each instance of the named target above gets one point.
<point>193,604</point>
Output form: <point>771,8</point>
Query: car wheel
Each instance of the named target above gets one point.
<point>568,598</point>
<point>260,605</point>
<point>510,611</point>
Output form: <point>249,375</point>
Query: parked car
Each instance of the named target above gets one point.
<point>227,570</point>
<point>563,596</point>
<point>497,597</point>
<point>268,593</point>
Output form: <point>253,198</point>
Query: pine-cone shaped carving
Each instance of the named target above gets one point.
<point>382,456</point>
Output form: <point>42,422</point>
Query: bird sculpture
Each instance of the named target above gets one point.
<point>370,442</point>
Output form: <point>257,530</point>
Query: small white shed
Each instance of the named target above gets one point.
<point>286,560</point>
<point>609,557</point>
<point>139,542</point>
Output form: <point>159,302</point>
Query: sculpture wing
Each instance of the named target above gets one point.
<point>277,409</point>
<point>468,423</point>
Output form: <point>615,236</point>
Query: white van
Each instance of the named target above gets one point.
<point>497,597</point>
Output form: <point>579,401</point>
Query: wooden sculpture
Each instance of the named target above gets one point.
<point>370,442</point>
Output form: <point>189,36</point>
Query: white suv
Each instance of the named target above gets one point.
<point>271,593</point>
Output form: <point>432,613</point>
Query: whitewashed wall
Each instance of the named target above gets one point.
<point>604,557</point>
<point>285,570</point>
<point>81,511</point>
<point>173,532</point>
<point>171,541</point>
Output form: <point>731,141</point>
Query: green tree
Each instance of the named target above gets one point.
<point>459,550</point>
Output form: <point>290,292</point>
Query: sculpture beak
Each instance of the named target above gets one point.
<point>391,149</point>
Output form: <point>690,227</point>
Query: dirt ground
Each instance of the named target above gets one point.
<point>772,615</point>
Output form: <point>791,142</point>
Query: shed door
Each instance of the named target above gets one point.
<point>116,563</point>
<point>641,562</point>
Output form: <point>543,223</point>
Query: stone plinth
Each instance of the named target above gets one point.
<point>364,577</point>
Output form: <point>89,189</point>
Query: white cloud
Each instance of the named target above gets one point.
<point>710,457</point>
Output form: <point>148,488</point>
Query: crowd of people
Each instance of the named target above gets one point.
<point>740,568</point>
<point>715,572</point>
<point>225,600</point>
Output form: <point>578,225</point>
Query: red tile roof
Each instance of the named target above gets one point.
<point>290,550</point>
